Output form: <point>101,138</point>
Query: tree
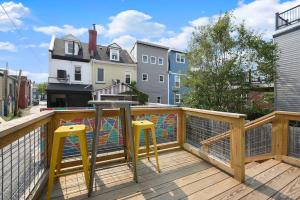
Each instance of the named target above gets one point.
<point>224,52</point>
<point>41,88</point>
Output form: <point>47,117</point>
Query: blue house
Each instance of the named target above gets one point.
<point>178,67</point>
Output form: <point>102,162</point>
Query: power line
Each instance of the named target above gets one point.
<point>16,27</point>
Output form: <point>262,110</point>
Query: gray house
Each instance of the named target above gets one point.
<point>287,37</point>
<point>152,70</point>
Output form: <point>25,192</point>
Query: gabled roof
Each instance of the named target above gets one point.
<point>84,55</point>
<point>152,44</point>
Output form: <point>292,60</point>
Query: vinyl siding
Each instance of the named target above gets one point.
<point>287,86</point>
<point>152,87</point>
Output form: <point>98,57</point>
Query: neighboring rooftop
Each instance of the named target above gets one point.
<point>151,44</point>
<point>84,55</point>
<point>69,87</point>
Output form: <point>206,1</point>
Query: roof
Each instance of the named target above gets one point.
<point>69,87</point>
<point>84,55</point>
<point>177,50</point>
<point>152,44</point>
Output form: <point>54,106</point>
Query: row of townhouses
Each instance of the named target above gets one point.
<point>77,71</point>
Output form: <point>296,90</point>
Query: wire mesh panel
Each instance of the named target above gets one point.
<point>111,138</point>
<point>22,164</point>
<point>259,140</point>
<point>294,139</point>
<point>199,129</point>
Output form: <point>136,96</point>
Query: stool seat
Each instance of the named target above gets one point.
<point>57,150</point>
<point>145,125</point>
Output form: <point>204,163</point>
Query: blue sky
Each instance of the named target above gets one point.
<point>167,22</point>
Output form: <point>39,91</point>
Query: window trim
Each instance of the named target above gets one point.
<point>163,78</point>
<point>177,94</point>
<point>159,99</point>
<point>143,58</point>
<point>154,63</point>
<point>111,51</point>
<point>143,77</point>
<point>180,55</point>
<point>73,46</point>
<point>97,81</point>
<point>177,76</point>
<point>128,73</point>
<point>161,59</point>
<point>75,73</point>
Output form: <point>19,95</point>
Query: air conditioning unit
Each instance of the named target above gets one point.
<point>115,81</point>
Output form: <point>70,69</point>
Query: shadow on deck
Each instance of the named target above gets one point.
<point>184,176</point>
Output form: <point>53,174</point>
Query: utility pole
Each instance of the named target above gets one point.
<point>17,93</point>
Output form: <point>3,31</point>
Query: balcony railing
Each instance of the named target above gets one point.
<point>222,139</point>
<point>288,17</point>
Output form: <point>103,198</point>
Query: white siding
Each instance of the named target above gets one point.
<point>287,87</point>
<point>69,66</point>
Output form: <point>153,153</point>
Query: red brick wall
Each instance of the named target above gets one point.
<point>257,98</point>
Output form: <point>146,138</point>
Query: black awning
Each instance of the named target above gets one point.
<point>69,87</point>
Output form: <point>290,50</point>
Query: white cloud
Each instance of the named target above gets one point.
<point>7,46</point>
<point>38,77</point>
<point>258,15</point>
<point>134,22</point>
<point>16,12</point>
<point>125,41</point>
<point>64,30</point>
<point>41,45</point>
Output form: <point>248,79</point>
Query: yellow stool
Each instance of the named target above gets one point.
<point>146,126</point>
<point>57,150</point>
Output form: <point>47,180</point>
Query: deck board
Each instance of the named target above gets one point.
<point>184,176</point>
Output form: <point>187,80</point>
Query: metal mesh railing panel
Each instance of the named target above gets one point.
<point>294,139</point>
<point>259,140</point>
<point>199,129</point>
<point>22,164</point>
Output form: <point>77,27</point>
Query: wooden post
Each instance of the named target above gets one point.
<point>279,137</point>
<point>181,127</point>
<point>237,148</point>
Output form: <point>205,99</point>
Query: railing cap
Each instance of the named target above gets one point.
<point>217,113</point>
<point>17,124</point>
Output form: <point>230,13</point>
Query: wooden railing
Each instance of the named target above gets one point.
<point>225,134</point>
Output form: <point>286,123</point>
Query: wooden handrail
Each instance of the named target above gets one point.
<point>248,126</point>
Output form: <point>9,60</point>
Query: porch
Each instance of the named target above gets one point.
<point>203,155</point>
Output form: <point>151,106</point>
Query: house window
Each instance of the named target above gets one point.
<point>100,75</point>
<point>177,98</point>
<point>145,77</point>
<point>145,59</point>
<point>77,73</point>
<point>128,77</point>
<point>61,74</point>
<point>114,55</point>
<point>160,61</point>
<point>158,99</point>
<point>70,47</point>
<point>180,58</point>
<point>153,60</point>
<point>177,81</point>
<point>161,78</point>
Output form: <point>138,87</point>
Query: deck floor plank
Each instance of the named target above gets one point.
<point>183,176</point>
<point>273,186</point>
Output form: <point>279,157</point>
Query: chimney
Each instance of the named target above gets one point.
<point>93,41</point>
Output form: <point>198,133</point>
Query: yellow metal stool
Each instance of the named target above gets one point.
<point>146,126</point>
<point>57,150</point>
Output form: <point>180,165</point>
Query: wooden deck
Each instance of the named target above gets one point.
<point>185,176</point>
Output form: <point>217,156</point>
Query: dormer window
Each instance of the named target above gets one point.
<point>114,54</point>
<point>70,47</point>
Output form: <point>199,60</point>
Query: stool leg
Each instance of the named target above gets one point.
<point>155,148</point>
<point>146,132</point>
<point>136,142</point>
<point>84,155</point>
<point>55,147</point>
<point>59,155</point>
